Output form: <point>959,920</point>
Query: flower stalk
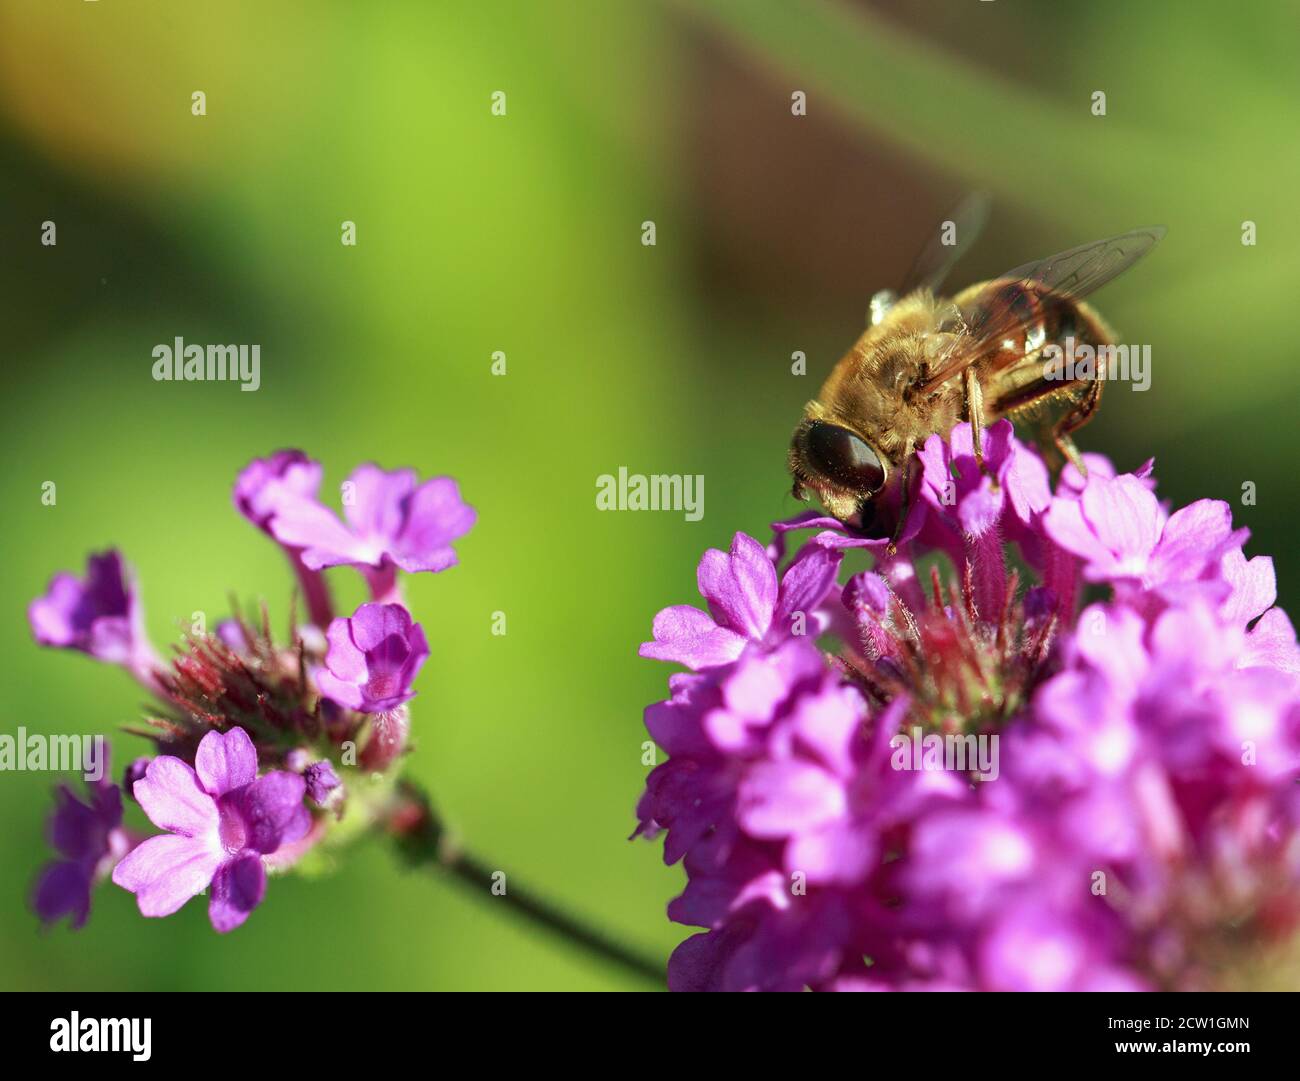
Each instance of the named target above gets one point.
<point>424,842</point>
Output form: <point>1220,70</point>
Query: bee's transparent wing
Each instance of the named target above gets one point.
<point>1002,314</point>
<point>938,257</point>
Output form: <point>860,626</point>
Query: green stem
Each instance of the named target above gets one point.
<point>424,843</point>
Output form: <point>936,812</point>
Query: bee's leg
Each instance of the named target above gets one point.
<point>1070,452</point>
<point>904,503</point>
<point>1075,419</point>
<point>974,395</point>
<point>1045,441</point>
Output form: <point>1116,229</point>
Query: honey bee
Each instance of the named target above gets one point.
<point>926,362</point>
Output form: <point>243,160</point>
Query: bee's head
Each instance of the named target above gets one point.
<point>845,470</point>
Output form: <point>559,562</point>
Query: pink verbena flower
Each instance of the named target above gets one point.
<point>372,659</point>
<point>1142,826</point>
<point>263,488</point>
<point>267,484</point>
<point>390,521</point>
<point>99,615</point>
<point>746,604</point>
<point>222,820</point>
<point>311,715</point>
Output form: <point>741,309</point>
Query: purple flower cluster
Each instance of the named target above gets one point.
<point>1141,829</point>
<point>234,703</point>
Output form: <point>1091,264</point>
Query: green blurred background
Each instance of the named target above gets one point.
<point>523,234</point>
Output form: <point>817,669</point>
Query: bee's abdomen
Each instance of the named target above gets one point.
<point>1019,318</point>
<point>1018,382</point>
<point>1064,318</point>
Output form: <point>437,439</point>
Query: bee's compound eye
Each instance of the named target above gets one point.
<point>844,457</point>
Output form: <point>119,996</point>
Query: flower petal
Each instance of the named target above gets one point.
<point>435,516</point>
<point>417,652</point>
<point>51,616</point>
<point>740,587</point>
<point>1066,525</point>
<point>836,851</point>
<point>265,482</point>
<point>429,560</point>
<point>79,830</point>
<point>806,582</point>
<point>1124,515</point>
<point>688,636</point>
<point>345,660</point>
<point>226,761</point>
<point>777,799</point>
<point>1191,537</point>
<point>63,889</point>
<point>1254,586</point>
<point>164,872</point>
<point>1272,643</point>
<point>344,693</point>
<point>1028,483</point>
<point>273,811</point>
<point>304,523</point>
<point>174,800</point>
<point>373,624</point>
<point>376,508</point>
<point>237,888</point>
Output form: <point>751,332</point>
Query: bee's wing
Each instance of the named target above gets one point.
<point>1004,313</point>
<point>937,259</point>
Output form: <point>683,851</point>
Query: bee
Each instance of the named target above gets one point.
<point>926,363</point>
